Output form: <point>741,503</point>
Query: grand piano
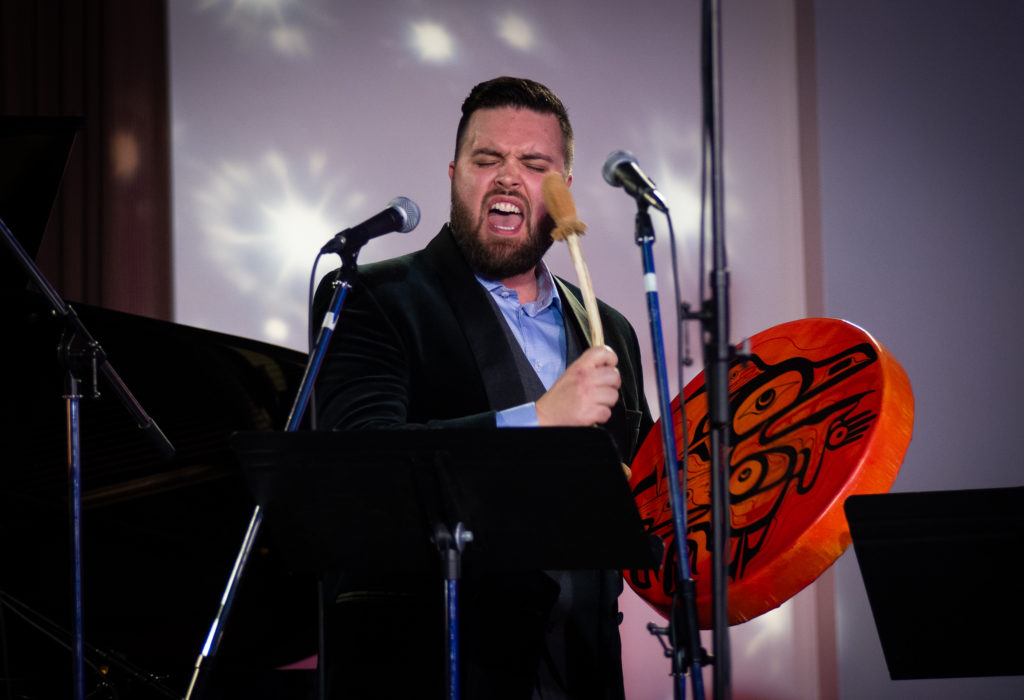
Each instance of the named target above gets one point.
<point>159,536</point>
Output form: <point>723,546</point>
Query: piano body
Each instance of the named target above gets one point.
<point>159,537</point>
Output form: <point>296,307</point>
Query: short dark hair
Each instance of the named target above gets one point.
<point>521,93</point>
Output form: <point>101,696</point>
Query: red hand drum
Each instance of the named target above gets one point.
<point>820,411</point>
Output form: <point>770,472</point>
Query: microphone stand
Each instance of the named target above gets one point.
<point>717,351</point>
<point>684,639</point>
<point>714,318</point>
<point>348,251</point>
<point>79,354</point>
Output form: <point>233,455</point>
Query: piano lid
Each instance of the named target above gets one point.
<point>34,152</point>
<point>198,385</point>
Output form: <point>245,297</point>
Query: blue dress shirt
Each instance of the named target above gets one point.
<point>540,330</point>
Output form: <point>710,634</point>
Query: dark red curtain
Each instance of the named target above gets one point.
<point>108,241</point>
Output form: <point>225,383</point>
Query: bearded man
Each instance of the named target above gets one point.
<point>473,331</point>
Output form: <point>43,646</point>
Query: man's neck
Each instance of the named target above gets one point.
<point>524,285</point>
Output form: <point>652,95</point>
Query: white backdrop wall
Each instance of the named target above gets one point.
<point>296,118</point>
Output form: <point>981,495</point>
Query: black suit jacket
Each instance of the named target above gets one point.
<point>418,344</point>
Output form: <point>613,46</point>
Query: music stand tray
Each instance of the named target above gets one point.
<point>534,498</point>
<point>943,572</point>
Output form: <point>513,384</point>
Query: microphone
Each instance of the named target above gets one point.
<point>621,170</point>
<point>402,215</point>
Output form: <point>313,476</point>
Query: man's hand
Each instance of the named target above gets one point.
<point>585,393</point>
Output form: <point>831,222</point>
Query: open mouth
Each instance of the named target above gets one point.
<point>505,216</point>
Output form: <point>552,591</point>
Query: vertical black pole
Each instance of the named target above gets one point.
<point>717,350</point>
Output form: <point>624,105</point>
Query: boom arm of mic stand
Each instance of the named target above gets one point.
<point>686,604</point>
<point>75,327</point>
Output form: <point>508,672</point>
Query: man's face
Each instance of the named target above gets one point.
<point>498,215</point>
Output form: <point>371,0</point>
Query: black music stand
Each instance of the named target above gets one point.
<point>533,499</point>
<point>943,576</point>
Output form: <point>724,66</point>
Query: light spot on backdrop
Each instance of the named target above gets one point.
<point>768,634</point>
<point>276,330</point>
<point>431,42</point>
<point>263,222</point>
<point>671,157</point>
<point>269,21</point>
<point>516,31</point>
<point>289,41</point>
<point>674,164</point>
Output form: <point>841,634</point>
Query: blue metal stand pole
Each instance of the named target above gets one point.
<point>75,497</point>
<point>450,546</point>
<point>687,637</point>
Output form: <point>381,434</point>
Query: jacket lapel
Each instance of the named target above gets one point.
<point>486,338</point>
<point>478,321</point>
<point>576,310</point>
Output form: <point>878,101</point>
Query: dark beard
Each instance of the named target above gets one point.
<point>498,260</point>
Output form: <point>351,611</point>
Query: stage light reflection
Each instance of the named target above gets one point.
<point>432,42</point>
<point>238,9</point>
<point>516,32</point>
<point>769,633</point>
<point>289,41</point>
<point>276,330</point>
<point>267,20</point>
<point>681,194</point>
<point>263,223</point>
<point>675,169</point>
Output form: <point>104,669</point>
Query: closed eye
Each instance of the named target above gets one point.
<point>535,161</point>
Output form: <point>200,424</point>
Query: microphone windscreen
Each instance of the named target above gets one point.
<point>612,163</point>
<point>410,212</point>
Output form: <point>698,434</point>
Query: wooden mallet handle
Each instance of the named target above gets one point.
<point>569,228</point>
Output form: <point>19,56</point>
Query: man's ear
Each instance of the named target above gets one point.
<point>451,170</point>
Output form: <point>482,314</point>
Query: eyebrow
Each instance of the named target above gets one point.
<point>537,156</point>
<point>498,154</point>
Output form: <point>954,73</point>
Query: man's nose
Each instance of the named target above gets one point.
<point>509,174</point>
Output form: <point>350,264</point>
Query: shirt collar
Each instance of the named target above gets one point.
<point>547,294</point>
